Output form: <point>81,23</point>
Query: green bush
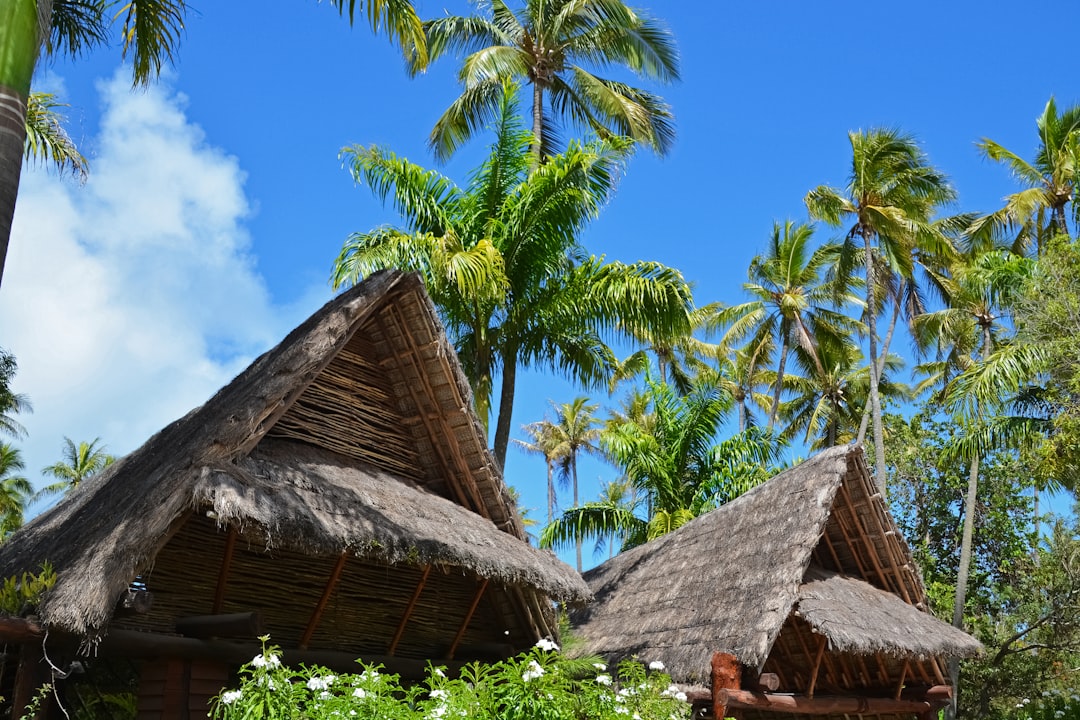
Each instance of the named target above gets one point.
<point>537,684</point>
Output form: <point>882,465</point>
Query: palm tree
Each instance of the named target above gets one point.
<point>548,44</point>
<point>827,400</point>
<point>544,440</point>
<point>46,138</point>
<point>80,463</point>
<point>679,359</point>
<point>11,403</point>
<point>980,291</point>
<point>501,261</point>
<point>621,497</point>
<point>577,431</point>
<point>790,291</point>
<point>1051,180</point>
<point>889,198</point>
<point>672,457</point>
<point>15,490</point>
<point>151,36</point>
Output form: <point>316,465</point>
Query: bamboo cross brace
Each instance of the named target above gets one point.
<point>408,611</point>
<point>468,618</point>
<point>817,666</point>
<point>316,616</point>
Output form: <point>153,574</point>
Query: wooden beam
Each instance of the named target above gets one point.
<point>316,616</point>
<point>803,705</point>
<point>408,612</point>
<point>223,574</point>
<point>245,625</point>
<point>19,630</point>
<point>468,619</point>
<point>31,674</point>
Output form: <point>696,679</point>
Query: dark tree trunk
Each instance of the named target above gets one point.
<point>875,401</point>
<point>506,407</point>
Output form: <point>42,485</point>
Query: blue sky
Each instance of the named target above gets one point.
<point>217,202</point>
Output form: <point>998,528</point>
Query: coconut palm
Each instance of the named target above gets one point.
<point>577,431</point>
<point>11,403</point>
<point>1051,180</point>
<point>544,440</point>
<point>15,490</point>
<point>679,360</point>
<point>620,496</point>
<point>674,459</point>
<point>889,199</point>
<point>550,44</point>
<point>81,462</point>
<point>46,139</point>
<point>501,261</point>
<point>827,400</point>
<point>791,298</point>
<point>150,31</point>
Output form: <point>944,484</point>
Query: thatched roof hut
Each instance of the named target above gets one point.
<point>804,578</point>
<point>339,491</point>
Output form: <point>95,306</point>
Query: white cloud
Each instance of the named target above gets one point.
<point>130,300</point>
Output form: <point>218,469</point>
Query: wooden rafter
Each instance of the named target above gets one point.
<point>223,574</point>
<point>408,611</point>
<point>903,678</point>
<point>316,616</point>
<point>468,618</point>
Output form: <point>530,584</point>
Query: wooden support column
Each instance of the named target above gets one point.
<point>726,675</point>
<point>467,620</point>
<point>223,574</point>
<point>408,612</point>
<point>316,616</point>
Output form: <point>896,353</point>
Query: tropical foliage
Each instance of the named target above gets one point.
<point>539,683</point>
<point>81,462</point>
<point>551,45</point>
<point>502,261</point>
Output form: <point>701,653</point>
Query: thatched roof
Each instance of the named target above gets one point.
<point>728,580</point>
<point>355,434</point>
<point>857,617</point>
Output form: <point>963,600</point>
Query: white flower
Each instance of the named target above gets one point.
<point>603,679</point>
<point>680,696</point>
<point>1059,713</point>
<point>547,645</point>
<point>600,666</point>
<point>359,693</point>
<point>656,665</point>
<point>320,683</point>
<point>231,696</point>
<point>621,710</point>
<point>534,671</point>
<point>324,695</point>
<point>261,660</point>
<point>438,693</point>
<point>438,672</point>
<point>437,712</point>
<point>1046,693</point>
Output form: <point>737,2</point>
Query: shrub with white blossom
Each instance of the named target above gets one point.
<point>539,683</point>
<point>1050,705</point>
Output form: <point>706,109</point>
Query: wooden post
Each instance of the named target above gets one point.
<point>726,675</point>
<point>803,705</point>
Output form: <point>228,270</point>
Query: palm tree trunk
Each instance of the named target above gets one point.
<point>779,383</point>
<point>967,538</point>
<point>506,406</point>
<point>573,471</point>
<point>550,490</point>
<point>879,367</point>
<point>23,24</point>
<point>875,401</point>
<point>538,123</point>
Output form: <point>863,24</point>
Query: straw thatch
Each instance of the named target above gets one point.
<point>857,617</point>
<point>728,580</point>
<point>356,434</point>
